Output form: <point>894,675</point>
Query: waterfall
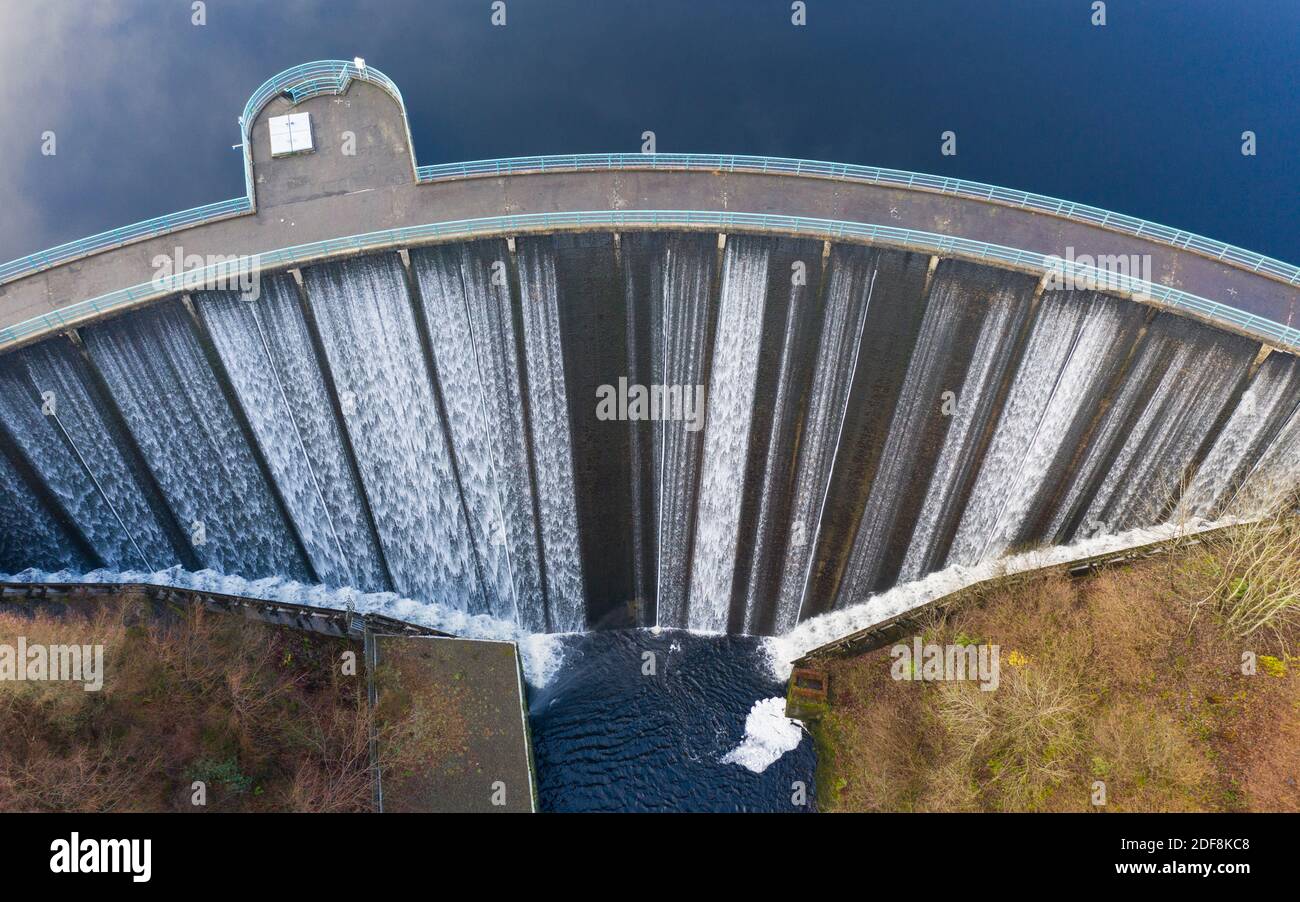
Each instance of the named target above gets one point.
<point>1262,412</point>
<point>30,536</point>
<point>680,320</point>
<point>57,418</point>
<point>730,402</point>
<point>973,405</point>
<point>848,299</point>
<point>451,338</point>
<point>268,357</point>
<point>954,312</point>
<point>771,472</point>
<point>548,409</point>
<point>367,328</point>
<point>488,328</point>
<point>1192,387</point>
<point>1276,476</point>
<point>160,379</point>
<point>442,432</point>
<point>1078,340</point>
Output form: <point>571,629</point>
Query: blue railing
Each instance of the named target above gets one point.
<point>229,272</point>
<point>301,83</point>
<point>149,228</point>
<point>334,76</point>
<point>875,175</point>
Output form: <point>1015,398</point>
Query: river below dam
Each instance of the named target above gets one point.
<point>639,720</point>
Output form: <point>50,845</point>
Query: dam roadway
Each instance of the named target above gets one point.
<point>329,193</point>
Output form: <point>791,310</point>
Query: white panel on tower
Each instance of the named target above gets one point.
<point>290,134</point>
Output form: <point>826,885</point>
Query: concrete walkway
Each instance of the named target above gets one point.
<point>452,712</point>
<point>332,193</point>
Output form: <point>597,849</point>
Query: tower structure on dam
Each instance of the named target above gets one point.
<point>720,393</point>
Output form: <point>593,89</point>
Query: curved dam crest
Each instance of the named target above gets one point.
<point>425,424</point>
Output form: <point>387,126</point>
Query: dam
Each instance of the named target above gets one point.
<point>407,402</point>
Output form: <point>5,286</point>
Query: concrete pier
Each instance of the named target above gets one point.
<point>471,746</point>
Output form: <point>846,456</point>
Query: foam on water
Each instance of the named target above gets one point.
<point>769,734</point>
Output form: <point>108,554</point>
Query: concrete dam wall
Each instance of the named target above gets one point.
<point>460,424</point>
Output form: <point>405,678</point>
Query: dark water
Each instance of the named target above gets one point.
<point>608,738</point>
<point>1143,115</point>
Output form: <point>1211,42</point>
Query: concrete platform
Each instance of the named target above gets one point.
<point>469,732</point>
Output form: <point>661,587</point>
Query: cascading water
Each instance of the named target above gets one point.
<point>680,324</point>
<point>268,357</point>
<point>552,449</point>
<point>1194,385</point>
<point>848,299</point>
<point>367,328</point>
<point>954,311</point>
<point>726,442</point>
<point>160,380</point>
<point>771,473</point>
<point>451,339</point>
<point>30,537</point>
<point>1276,476</point>
<point>974,403</point>
<point>56,417</point>
<point>1078,340</point>
<point>1261,415</point>
<point>879,417</point>
<point>484,322</point>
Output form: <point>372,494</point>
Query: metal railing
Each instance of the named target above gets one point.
<point>333,77</point>
<point>149,228</point>
<point>874,175</point>
<point>232,271</point>
<point>300,83</point>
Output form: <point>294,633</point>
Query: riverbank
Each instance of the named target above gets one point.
<point>1165,685</point>
<point>188,710</point>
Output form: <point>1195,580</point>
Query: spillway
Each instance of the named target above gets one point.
<point>374,353</point>
<point>1078,342</point>
<point>430,423</point>
<point>734,375</point>
<point>266,353</point>
<point>58,422</point>
<point>193,443</point>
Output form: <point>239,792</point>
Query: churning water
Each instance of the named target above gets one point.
<point>609,736</point>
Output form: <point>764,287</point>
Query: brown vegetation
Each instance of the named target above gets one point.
<point>264,716</point>
<point>1132,677</point>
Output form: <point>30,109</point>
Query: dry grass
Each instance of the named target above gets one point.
<point>1131,677</point>
<point>263,715</point>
